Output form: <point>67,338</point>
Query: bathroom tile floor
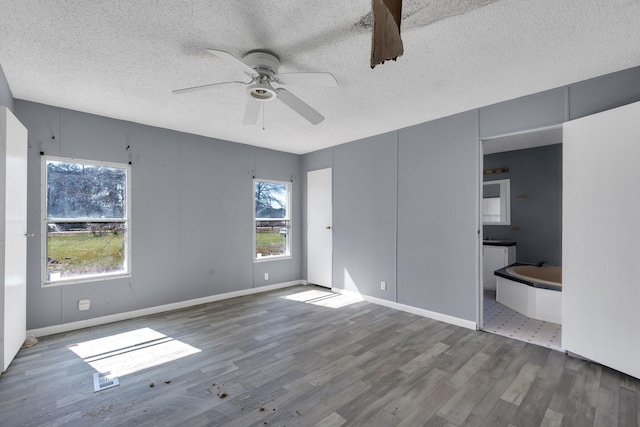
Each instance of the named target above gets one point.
<point>502,320</point>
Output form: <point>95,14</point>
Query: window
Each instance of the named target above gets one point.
<point>85,220</point>
<point>272,219</point>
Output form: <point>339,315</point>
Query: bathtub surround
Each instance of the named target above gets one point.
<point>546,277</point>
<point>536,276</point>
<point>534,303</point>
<point>536,202</point>
<point>528,296</point>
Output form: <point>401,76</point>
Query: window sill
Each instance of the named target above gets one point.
<point>78,280</point>
<point>272,258</point>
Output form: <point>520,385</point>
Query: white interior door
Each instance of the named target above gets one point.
<point>319,227</point>
<point>13,143</point>
<point>601,238</point>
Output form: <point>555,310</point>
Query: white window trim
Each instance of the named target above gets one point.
<point>45,283</point>
<point>288,255</point>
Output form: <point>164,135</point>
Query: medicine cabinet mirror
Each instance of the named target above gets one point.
<point>496,206</point>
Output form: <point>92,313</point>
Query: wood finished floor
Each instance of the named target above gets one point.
<point>304,357</point>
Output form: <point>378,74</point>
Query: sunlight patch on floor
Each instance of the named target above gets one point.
<point>133,351</point>
<point>323,298</point>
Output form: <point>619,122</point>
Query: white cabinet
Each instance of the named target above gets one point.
<point>494,258</point>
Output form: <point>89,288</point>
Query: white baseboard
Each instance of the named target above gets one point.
<point>72,326</point>
<point>413,310</point>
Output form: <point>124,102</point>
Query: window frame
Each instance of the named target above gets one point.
<point>44,221</point>
<point>288,218</point>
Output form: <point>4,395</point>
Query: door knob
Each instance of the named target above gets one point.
<point>328,227</point>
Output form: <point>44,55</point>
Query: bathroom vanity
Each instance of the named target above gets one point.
<point>496,254</point>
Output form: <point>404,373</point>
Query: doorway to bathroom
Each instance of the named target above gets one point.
<point>529,165</point>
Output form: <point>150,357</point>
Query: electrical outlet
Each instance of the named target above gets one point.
<point>266,276</point>
<point>383,286</point>
<point>84,304</point>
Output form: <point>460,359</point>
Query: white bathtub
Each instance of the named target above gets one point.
<point>532,291</point>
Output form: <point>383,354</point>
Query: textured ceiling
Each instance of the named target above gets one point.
<point>122,58</point>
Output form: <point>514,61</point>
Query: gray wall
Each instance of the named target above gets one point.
<point>191,219</point>
<point>537,174</point>
<point>438,215</point>
<point>438,180</point>
<point>364,215</point>
<point>406,204</point>
<point>405,210</point>
<point>6,98</point>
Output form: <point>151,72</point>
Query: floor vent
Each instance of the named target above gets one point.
<point>104,380</point>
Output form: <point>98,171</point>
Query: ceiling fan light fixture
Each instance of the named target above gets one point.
<point>261,91</point>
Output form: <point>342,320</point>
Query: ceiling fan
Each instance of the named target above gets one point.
<point>262,66</point>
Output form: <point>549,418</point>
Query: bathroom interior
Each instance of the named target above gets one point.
<point>522,224</point>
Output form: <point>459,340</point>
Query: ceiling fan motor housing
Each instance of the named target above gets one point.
<point>265,63</point>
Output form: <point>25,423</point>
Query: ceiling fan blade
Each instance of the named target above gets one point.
<point>299,106</point>
<point>251,112</point>
<point>236,62</point>
<point>308,79</point>
<point>197,88</point>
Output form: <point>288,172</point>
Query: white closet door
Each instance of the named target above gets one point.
<point>319,231</point>
<point>601,238</point>
<point>13,147</point>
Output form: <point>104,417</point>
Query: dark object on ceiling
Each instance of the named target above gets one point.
<point>386,43</point>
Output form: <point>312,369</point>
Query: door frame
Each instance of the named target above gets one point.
<point>480,288</point>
